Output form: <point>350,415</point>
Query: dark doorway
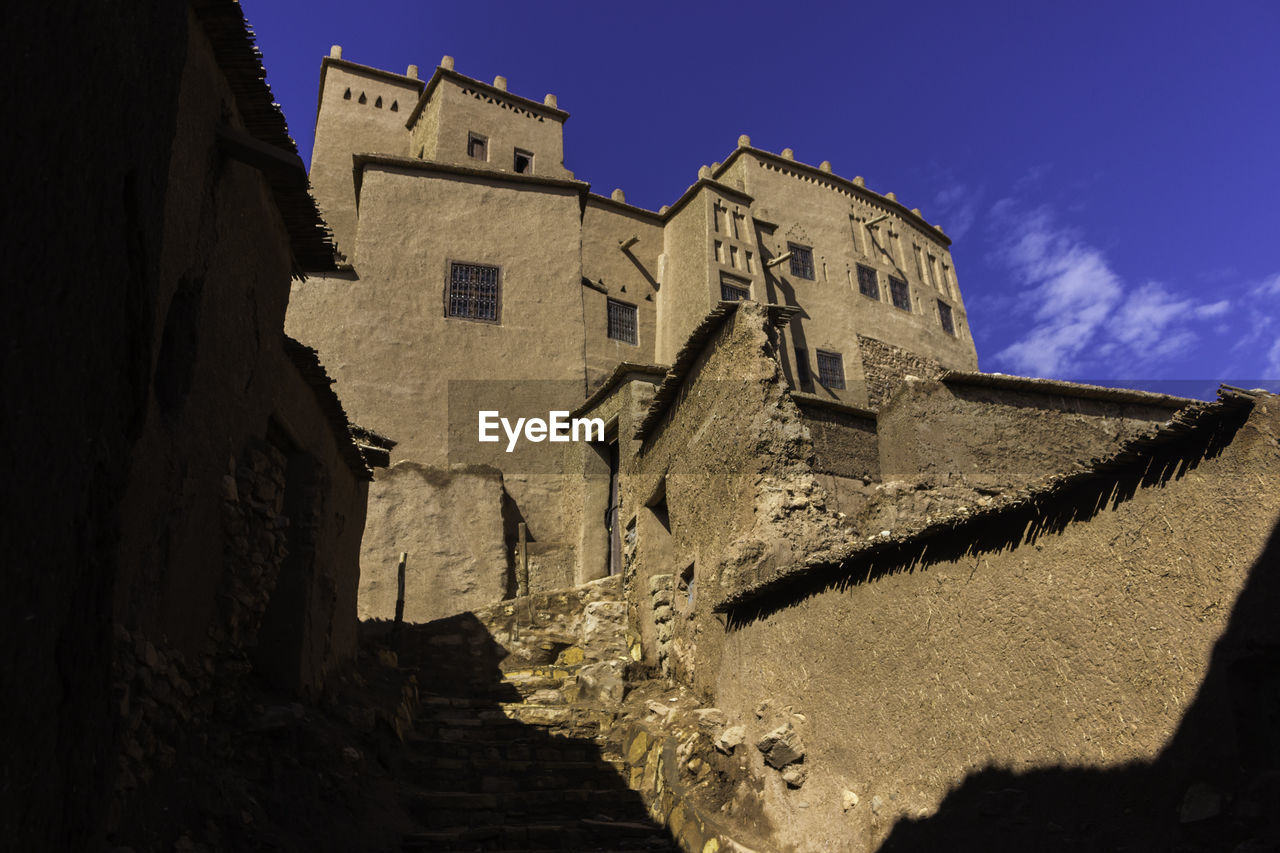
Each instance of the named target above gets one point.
<point>611,515</point>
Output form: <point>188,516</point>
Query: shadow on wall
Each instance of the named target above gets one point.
<point>485,781</point>
<point>1077,499</point>
<point>1214,787</point>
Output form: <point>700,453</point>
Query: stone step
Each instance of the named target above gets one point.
<point>583,835</point>
<point>451,808</point>
<point>595,779</point>
<point>534,749</point>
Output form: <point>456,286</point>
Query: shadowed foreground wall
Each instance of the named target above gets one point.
<point>1084,648</point>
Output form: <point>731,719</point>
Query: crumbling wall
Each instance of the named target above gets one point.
<point>726,477</point>
<point>1058,659</point>
<point>886,366</point>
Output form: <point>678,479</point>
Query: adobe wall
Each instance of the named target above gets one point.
<point>460,107</point>
<point>360,109</point>
<point>86,191</point>
<point>387,351</point>
<point>994,437</point>
<point>806,206</point>
<point>628,275</point>
<point>1082,646</point>
<point>138,408</point>
<point>684,275</point>
<point>450,523</point>
<point>745,499</point>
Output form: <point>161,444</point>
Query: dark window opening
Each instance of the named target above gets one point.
<point>830,369</point>
<point>944,315</point>
<point>362,99</point>
<point>686,585</point>
<point>346,96</point>
<point>378,103</point>
<point>733,289</point>
<point>395,106</point>
<point>477,147</point>
<point>803,377</point>
<point>523,161</point>
<point>622,322</point>
<point>868,284</point>
<point>900,294</point>
<point>801,261</point>
<point>473,292</point>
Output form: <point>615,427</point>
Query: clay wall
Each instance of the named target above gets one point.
<point>457,560</point>
<point>361,109</point>
<point>1079,675</point>
<point>507,122</point>
<point>684,275</point>
<point>999,437</point>
<point>706,495</point>
<point>140,412</point>
<point>794,203</point>
<point>628,276</point>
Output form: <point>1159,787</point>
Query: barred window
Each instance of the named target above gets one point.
<point>900,294</point>
<point>868,284</point>
<point>801,261</point>
<point>830,369</point>
<point>473,292</point>
<point>622,322</point>
<point>944,315</point>
<point>733,289</point>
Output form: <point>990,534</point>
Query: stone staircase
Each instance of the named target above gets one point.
<point>512,747</point>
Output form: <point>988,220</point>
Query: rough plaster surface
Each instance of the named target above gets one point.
<point>1084,648</point>
<point>457,561</point>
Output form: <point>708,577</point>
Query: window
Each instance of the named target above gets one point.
<point>733,290</point>
<point>803,378</point>
<point>473,292</point>
<point>477,147</point>
<point>523,161</point>
<point>944,315</point>
<point>900,294</point>
<point>830,369</point>
<point>622,322</point>
<point>868,284</point>
<point>801,261</point>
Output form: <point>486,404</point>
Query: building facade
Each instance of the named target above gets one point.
<point>470,254</point>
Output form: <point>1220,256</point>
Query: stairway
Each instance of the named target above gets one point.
<point>512,760</point>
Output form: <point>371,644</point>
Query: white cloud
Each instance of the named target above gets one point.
<point>1272,367</point>
<point>1269,286</point>
<point>1082,318</point>
<point>956,209</point>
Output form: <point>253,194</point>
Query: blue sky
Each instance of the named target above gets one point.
<point>1110,172</point>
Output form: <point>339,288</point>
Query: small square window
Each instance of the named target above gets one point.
<point>523,161</point>
<point>868,284</point>
<point>477,147</point>
<point>900,294</point>
<point>944,315</point>
<point>830,369</point>
<point>733,290</point>
<point>622,322</point>
<point>474,292</point>
<point>801,261</point>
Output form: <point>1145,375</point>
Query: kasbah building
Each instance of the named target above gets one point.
<point>820,584</point>
<point>906,599</point>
